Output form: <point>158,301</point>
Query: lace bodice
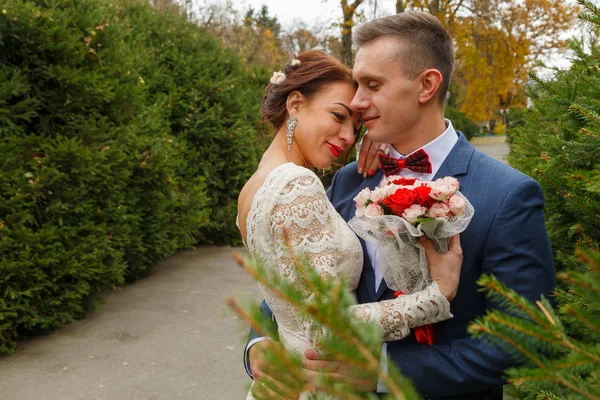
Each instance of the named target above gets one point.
<point>292,201</point>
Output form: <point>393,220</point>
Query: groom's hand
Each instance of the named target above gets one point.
<point>326,366</point>
<point>444,268</point>
<point>270,381</point>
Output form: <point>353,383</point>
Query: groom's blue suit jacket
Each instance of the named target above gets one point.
<point>506,237</point>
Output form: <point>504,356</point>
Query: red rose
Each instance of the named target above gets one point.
<point>422,196</point>
<point>400,200</point>
<point>404,181</point>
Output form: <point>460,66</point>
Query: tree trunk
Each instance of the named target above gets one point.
<point>349,11</point>
<point>400,6</point>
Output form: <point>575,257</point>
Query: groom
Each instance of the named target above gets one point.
<point>403,68</point>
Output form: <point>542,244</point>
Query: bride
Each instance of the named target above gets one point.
<point>308,105</point>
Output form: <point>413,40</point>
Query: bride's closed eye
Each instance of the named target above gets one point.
<point>338,116</point>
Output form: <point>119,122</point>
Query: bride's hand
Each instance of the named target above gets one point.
<point>444,268</point>
<point>270,380</point>
<point>368,155</point>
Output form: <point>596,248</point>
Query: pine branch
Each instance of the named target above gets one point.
<point>576,280</point>
<point>593,16</point>
<point>587,258</point>
<point>327,308</point>
<point>566,195</point>
<point>509,298</point>
<point>587,113</point>
<point>543,84</point>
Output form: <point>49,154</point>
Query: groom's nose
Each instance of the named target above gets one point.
<point>360,102</point>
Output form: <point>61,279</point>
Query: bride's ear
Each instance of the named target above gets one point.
<point>294,101</point>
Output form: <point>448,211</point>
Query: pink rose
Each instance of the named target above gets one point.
<point>412,213</point>
<point>439,210</point>
<point>373,210</point>
<point>457,205</point>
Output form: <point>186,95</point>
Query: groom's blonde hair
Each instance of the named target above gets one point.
<point>423,43</point>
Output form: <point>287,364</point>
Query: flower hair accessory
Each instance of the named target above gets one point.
<point>277,78</point>
<point>295,61</point>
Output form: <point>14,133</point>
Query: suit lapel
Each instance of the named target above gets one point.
<point>457,162</point>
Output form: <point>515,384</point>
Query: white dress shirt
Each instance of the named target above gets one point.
<point>438,149</point>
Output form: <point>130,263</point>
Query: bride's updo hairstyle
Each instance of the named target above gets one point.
<point>306,72</point>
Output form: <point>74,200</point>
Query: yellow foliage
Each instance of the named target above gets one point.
<point>500,128</point>
<point>497,42</point>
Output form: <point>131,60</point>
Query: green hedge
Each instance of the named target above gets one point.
<point>125,135</point>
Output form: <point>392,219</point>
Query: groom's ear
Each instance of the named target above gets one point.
<point>431,80</point>
<point>294,101</point>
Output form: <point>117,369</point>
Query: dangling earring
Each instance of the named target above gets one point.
<point>291,126</point>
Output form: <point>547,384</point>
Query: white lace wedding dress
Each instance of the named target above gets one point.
<point>292,202</point>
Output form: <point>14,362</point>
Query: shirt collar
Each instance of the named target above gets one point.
<point>438,149</point>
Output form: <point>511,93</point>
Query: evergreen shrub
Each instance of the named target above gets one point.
<point>125,135</point>
<point>558,143</point>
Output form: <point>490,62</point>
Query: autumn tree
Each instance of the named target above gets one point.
<point>499,43</point>
<point>400,6</point>
<point>255,36</point>
<point>299,37</point>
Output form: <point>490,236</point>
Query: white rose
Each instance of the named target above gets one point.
<point>391,189</point>
<point>378,194</point>
<point>440,190</point>
<point>413,212</point>
<point>388,180</point>
<point>438,210</point>
<point>362,197</point>
<point>457,205</point>
<point>360,211</point>
<point>295,62</point>
<point>373,210</point>
<point>277,78</point>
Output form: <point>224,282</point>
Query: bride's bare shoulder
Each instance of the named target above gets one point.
<point>248,192</point>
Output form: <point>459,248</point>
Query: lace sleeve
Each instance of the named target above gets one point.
<point>301,216</point>
<point>396,317</point>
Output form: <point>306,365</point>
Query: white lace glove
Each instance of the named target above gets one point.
<point>396,317</point>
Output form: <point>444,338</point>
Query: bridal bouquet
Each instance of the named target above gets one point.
<point>395,214</point>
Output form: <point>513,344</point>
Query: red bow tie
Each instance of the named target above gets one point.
<point>417,162</point>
